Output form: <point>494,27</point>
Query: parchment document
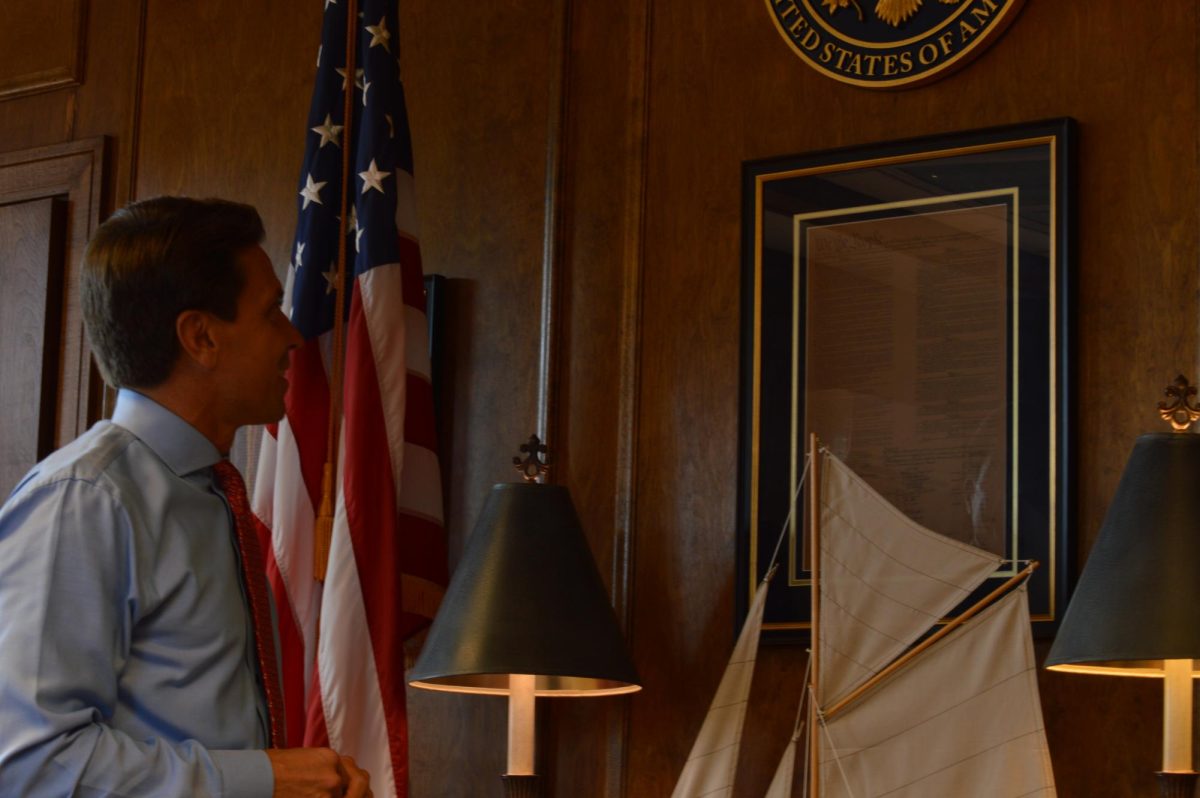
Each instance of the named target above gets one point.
<point>907,362</point>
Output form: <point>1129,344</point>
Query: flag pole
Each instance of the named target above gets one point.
<point>323,532</point>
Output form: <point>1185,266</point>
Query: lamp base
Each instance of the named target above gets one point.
<point>1177,785</point>
<point>529,786</point>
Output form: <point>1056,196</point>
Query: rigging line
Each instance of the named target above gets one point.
<point>799,724</point>
<point>837,759</point>
<point>787,522</point>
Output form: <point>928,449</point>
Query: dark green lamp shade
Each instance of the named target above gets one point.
<point>1138,600</point>
<point>526,599</point>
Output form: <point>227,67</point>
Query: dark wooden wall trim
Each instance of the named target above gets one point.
<point>129,189</point>
<point>629,343</point>
<point>43,77</point>
<point>75,172</point>
<point>553,247</point>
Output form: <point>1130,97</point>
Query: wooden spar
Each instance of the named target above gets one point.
<point>814,537</point>
<point>323,530</point>
<point>950,626</point>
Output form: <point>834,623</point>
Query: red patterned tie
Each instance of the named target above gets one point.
<point>254,574</point>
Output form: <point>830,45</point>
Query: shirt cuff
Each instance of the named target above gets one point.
<point>245,774</point>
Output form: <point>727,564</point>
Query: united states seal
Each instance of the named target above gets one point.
<point>887,44</point>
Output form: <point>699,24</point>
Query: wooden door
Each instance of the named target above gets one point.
<point>49,390</point>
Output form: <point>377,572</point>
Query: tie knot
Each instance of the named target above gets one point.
<point>229,479</point>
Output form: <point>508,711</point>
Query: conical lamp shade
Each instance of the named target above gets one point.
<point>1138,600</point>
<point>526,599</point>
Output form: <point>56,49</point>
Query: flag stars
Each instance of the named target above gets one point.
<point>358,78</point>
<point>312,192</point>
<point>365,86</point>
<point>330,278</point>
<point>373,178</point>
<point>380,34</point>
<point>391,126</point>
<point>328,132</point>
<point>298,261</point>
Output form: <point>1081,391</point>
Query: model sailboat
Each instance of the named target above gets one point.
<point>956,715</point>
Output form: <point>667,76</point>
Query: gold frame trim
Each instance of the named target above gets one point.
<point>1052,143</point>
<point>1015,243</point>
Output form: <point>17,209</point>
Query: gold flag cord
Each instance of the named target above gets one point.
<point>323,532</point>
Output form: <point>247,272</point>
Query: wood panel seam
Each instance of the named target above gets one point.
<point>135,107</point>
<point>558,89</point>
<point>629,366</point>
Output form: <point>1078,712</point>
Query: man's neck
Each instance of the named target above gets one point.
<point>196,407</point>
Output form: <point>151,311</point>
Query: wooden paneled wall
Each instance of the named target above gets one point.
<point>588,155</point>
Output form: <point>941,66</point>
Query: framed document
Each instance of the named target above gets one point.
<point>909,303</point>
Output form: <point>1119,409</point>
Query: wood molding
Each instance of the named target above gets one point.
<point>58,76</point>
<point>550,331</point>
<point>61,77</point>
<point>74,171</point>
<point>629,343</point>
<point>135,107</point>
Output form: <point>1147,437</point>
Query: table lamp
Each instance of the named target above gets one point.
<point>526,614</point>
<point>1136,610</point>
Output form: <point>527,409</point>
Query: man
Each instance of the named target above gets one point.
<point>130,662</point>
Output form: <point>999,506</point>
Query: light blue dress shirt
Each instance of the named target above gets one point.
<point>127,664</point>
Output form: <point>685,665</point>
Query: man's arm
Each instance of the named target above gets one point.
<point>68,594</point>
<point>320,772</point>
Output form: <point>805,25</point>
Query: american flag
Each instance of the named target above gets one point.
<point>387,566</point>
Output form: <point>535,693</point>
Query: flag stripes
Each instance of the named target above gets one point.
<point>343,643</point>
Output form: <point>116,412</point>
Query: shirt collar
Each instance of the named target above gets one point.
<point>177,443</point>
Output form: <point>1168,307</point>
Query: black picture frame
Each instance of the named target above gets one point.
<point>1025,172</point>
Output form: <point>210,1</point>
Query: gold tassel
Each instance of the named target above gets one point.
<point>323,529</point>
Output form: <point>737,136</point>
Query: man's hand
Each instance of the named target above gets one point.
<point>317,773</point>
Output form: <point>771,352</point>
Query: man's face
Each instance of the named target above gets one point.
<point>255,346</point>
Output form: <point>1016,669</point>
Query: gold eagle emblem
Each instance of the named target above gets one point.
<point>893,12</point>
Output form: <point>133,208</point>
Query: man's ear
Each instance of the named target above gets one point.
<point>194,329</point>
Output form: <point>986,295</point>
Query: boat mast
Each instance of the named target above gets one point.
<point>814,536</point>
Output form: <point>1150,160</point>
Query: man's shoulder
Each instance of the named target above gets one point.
<point>89,459</point>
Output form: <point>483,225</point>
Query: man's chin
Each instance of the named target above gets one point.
<point>270,415</point>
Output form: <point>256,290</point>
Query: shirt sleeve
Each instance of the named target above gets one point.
<point>68,598</point>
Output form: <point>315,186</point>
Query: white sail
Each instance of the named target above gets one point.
<point>712,764</point>
<point>884,580</point>
<point>781,785</point>
<point>961,719</point>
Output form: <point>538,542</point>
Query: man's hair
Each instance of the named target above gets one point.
<point>151,261</point>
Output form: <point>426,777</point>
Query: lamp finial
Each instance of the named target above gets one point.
<point>1181,410</point>
<point>533,466</point>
